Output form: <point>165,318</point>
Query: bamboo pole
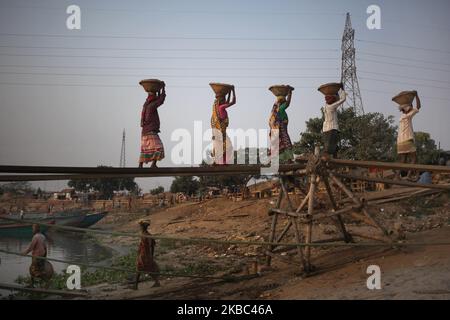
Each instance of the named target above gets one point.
<point>358,202</point>
<point>273,228</point>
<point>338,221</point>
<point>309,225</point>
<point>389,165</point>
<point>395,182</point>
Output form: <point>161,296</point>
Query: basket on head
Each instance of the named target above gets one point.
<point>152,85</point>
<point>281,90</point>
<point>330,89</point>
<point>221,89</point>
<point>405,97</point>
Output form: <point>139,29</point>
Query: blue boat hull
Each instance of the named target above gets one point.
<point>91,219</point>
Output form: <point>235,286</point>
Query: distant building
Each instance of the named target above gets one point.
<point>65,194</point>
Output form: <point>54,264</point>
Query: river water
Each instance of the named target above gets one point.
<point>72,247</point>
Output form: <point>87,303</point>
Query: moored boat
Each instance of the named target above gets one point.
<point>92,218</point>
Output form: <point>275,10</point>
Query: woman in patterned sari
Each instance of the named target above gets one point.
<point>222,147</point>
<point>152,149</point>
<point>279,121</point>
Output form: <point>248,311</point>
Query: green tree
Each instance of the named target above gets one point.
<point>427,151</point>
<point>157,190</point>
<point>371,136</point>
<point>185,184</point>
<point>105,186</point>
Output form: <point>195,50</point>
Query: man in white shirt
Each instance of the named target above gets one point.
<point>406,147</point>
<point>330,129</point>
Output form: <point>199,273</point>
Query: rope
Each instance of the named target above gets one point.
<point>230,242</point>
<point>175,275</point>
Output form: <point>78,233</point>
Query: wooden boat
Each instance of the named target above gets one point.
<point>14,229</point>
<point>73,218</point>
<point>91,219</point>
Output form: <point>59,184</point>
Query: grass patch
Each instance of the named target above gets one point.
<point>89,277</point>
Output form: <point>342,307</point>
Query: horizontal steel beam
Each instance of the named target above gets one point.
<point>67,173</point>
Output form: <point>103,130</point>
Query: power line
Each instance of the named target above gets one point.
<point>401,76</point>
<point>402,46</point>
<point>163,37</point>
<point>391,93</point>
<point>172,49</point>
<point>407,83</point>
<point>218,12</point>
<point>169,58</point>
<point>162,76</point>
<point>168,68</point>
<point>402,58</point>
<point>43,84</point>
<point>402,65</point>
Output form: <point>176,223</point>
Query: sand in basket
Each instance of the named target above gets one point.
<point>152,85</point>
<point>330,89</point>
<point>405,97</point>
<point>281,90</point>
<point>221,89</point>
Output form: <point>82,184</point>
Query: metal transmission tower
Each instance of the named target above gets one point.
<point>122,151</point>
<point>348,70</point>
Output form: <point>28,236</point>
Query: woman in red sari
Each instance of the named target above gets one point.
<point>146,252</point>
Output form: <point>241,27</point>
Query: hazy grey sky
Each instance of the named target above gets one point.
<point>66,95</point>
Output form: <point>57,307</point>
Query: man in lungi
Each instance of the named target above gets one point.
<point>40,268</point>
<point>406,147</point>
<point>152,149</point>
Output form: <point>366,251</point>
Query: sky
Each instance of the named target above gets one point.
<point>67,95</point>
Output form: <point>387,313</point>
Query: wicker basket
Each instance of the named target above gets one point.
<point>330,89</point>
<point>281,90</point>
<point>405,97</point>
<point>152,85</point>
<point>221,89</point>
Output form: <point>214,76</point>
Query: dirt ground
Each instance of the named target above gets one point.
<point>406,272</point>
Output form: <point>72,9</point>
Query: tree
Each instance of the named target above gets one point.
<point>185,184</point>
<point>105,186</point>
<point>371,136</point>
<point>17,187</point>
<point>232,182</point>
<point>157,190</point>
<point>427,151</point>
